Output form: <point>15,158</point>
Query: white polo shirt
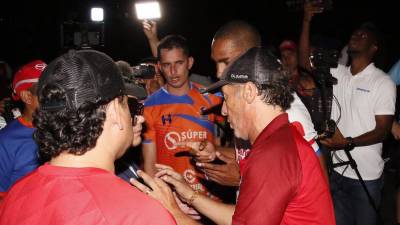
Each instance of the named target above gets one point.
<point>362,96</point>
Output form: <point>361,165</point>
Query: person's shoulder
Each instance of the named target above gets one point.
<point>381,78</point>
<point>14,127</point>
<point>117,198</point>
<point>197,90</point>
<point>154,98</point>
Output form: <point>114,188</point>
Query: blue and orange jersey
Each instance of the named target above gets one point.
<point>173,119</point>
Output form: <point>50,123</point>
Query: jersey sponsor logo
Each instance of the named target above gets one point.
<point>166,118</point>
<point>241,154</point>
<point>239,76</point>
<point>172,138</point>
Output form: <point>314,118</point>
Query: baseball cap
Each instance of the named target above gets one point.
<point>135,90</point>
<point>86,77</point>
<point>288,45</point>
<point>26,76</point>
<point>257,65</point>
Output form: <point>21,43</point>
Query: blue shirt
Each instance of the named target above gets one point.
<point>395,73</point>
<point>18,153</point>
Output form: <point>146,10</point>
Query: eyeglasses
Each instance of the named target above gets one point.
<point>136,109</point>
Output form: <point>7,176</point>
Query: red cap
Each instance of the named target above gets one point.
<point>26,76</point>
<point>288,45</point>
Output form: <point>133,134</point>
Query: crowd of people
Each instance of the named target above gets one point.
<point>254,147</point>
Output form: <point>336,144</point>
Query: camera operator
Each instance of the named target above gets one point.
<point>305,85</point>
<point>366,102</point>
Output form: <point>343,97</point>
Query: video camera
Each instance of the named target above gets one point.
<point>322,61</point>
<point>144,71</point>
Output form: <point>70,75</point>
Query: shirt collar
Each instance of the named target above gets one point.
<point>273,126</point>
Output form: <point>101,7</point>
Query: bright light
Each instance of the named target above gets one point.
<point>97,14</point>
<point>148,10</point>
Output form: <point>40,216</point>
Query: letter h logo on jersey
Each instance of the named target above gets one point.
<point>165,119</point>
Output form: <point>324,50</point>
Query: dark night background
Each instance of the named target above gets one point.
<point>31,29</point>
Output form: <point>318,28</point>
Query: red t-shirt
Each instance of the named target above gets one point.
<point>61,195</point>
<point>282,181</point>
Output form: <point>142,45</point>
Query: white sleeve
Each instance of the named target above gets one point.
<point>385,97</point>
<point>300,117</point>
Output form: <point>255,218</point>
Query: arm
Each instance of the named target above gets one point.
<point>150,30</point>
<point>382,127</point>
<point>149,152</point>
<point>304,42</point>
<point>216,211</point>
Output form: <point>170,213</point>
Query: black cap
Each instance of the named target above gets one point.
<point>257,65</point>
<point>85,76</point>
<point>136,91</point>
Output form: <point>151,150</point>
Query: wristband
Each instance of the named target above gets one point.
<point>350,144</point>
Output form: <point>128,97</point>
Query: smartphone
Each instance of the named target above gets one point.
<point>131,172</point>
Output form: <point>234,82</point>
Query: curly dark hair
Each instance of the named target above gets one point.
<point>276,94</point>
<point>72,131</point>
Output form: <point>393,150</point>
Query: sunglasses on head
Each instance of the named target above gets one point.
<point>136,109</point>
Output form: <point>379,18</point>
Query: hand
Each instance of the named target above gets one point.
<point>159,78</point>
<point>226,174</point>
<point>191,212</point>
<point>396,130</point>
<point>150,29</point>
<point>161,191</point>
<point>336,142</point>
<point>203,151</point>
<point>137,131</point>
<point>172,177</point>
<point>310,9</point>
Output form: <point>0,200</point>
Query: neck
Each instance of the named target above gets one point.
<point>178,91</point>
<point>91,158</point>
<point>27,114</point>
<point>261,118</point>
<point>358,64</point>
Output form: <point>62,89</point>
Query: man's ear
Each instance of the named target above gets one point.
<point>249,92</point>
<point>374,48</point>
<point>114,113</point>
<point>26,96</point>
<point>190,62</point>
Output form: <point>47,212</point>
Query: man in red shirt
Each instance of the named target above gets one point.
<point>282,182</point>
<point>83,125</point>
